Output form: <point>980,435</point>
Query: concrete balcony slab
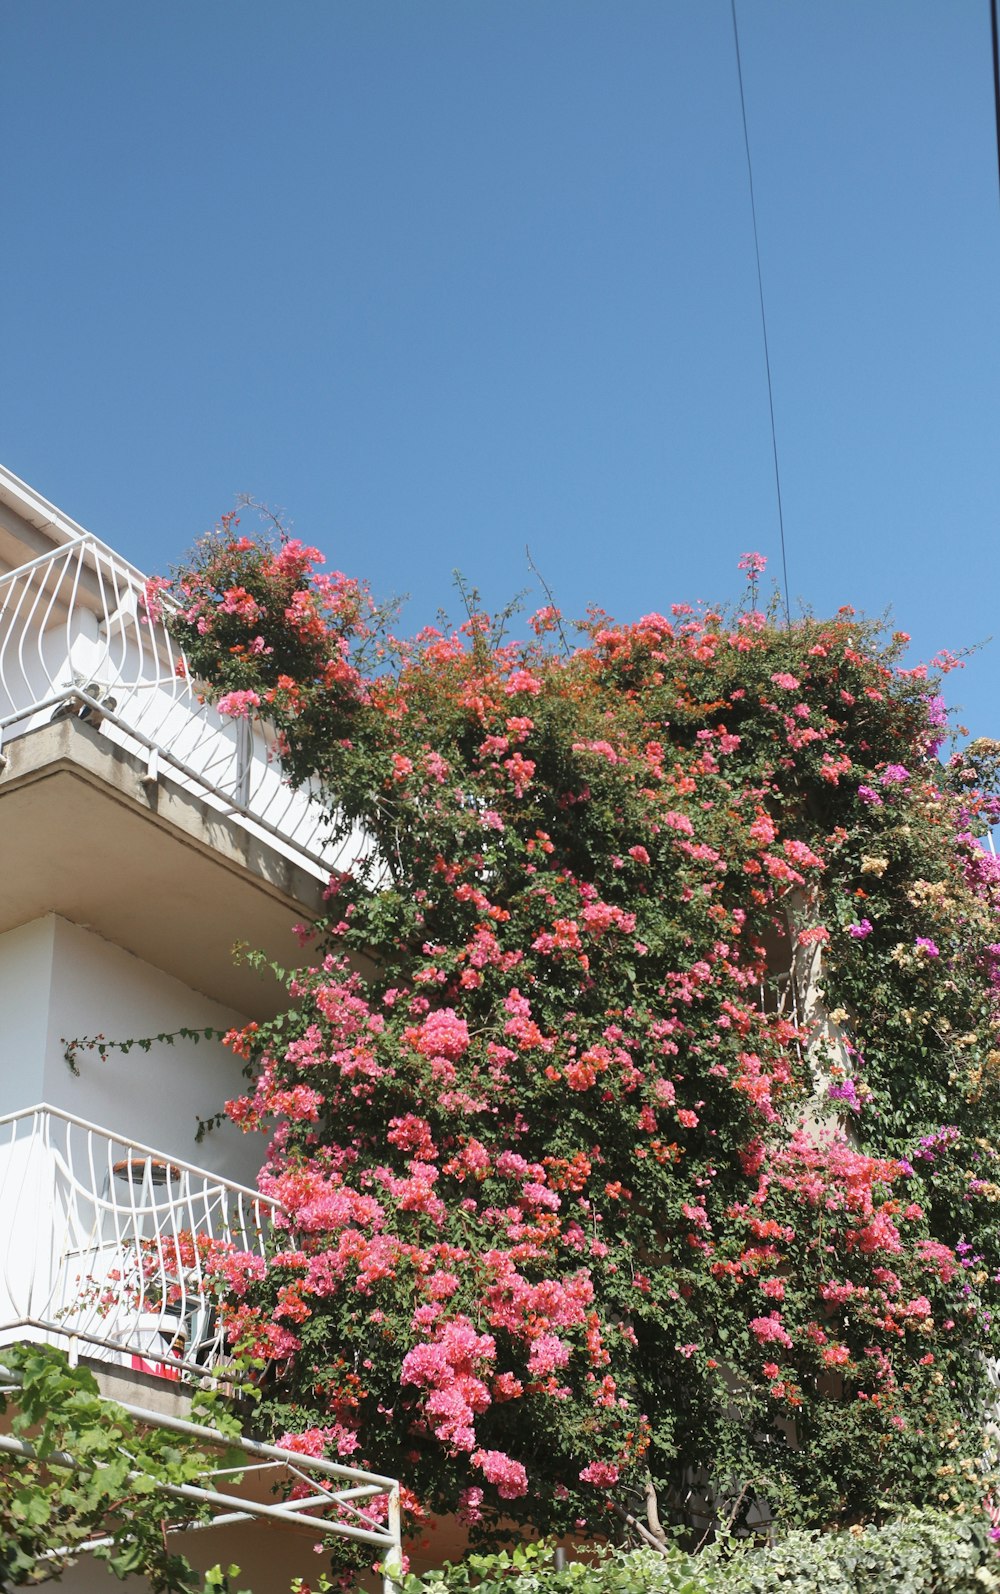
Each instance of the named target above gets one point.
<point>146,864</point>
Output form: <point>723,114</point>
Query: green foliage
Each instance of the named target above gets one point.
<point>90,1472</point>
<point>929,1553</point>
<point>913,1555</point>
<point>534,1570</point>
<point>142,1043</point>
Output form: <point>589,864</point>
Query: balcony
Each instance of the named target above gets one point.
<point>105,1251</point>
<point>76,641</point>
<point>107,1246</point>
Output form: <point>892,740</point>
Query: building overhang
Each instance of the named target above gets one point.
<point>30,525</point>
<point>85,833</point>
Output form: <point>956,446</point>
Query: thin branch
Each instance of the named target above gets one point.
<point>552,602</point>
<point>247,501</point>
<point>734,1513</point>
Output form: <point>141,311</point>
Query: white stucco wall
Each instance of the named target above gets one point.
<point>25,987</point>
<point>59,981</point>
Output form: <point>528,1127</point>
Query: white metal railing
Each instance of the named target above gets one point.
<point>76,638</point>
<point>108,1246</point>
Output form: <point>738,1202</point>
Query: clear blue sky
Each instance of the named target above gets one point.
<point>443,277</point>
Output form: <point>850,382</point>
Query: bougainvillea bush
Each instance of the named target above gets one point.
<point>582,1221</point>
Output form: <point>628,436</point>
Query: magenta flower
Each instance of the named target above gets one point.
<point>847,1093</point>
<point>895,775</point>
<point>860,931</point>
<point>926,947</point>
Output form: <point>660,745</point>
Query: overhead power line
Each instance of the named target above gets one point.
<point>763,318</point>
<point>995,23</point>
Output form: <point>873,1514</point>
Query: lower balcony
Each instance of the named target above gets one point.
<point>107,1243</point>
<point>106,1251</point>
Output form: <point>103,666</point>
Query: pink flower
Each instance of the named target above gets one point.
<point>639,854</point>
<point>940,1258</point>
<point>436,766</point>
<point>763,830</point>
<point>239,602</point>
<point>237,705</point>
<point>754,564</point>
<point>787,682</point>
<point>508,1476</point>
<point>149,598</point>
<point>547,1353</point>
<point>836,1293</point>
<point>602,1473</point>
<point>442,1034</point>
<point>520,770</point>
<point>469,1503</point>
<point>770,1328</point>
<point>546,619</point>
<point>881,1234</point>
<point>804,856</point>
<point>603,749</point>
<point>522,681</point>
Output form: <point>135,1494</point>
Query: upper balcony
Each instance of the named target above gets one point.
<point>132,808</point>
<point>76,640</point>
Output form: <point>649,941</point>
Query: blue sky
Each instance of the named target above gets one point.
<point>440,278</point>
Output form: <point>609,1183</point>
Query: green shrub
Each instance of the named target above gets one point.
<point>929,1553</point>
<point>534,1568</point>
<point>915,1554</point>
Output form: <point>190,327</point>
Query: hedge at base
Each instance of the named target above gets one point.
<point>926,1553</point>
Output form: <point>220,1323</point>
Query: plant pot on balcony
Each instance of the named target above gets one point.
<point>154,1332</point>
<point>151,1171</point>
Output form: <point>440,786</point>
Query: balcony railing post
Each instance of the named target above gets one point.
<point>244,761</point>
<point>393,1563</point>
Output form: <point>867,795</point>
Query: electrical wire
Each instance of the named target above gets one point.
<point>763,317</point>
<point>995,27</point>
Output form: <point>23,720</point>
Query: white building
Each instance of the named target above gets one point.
<point>141,838</point>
